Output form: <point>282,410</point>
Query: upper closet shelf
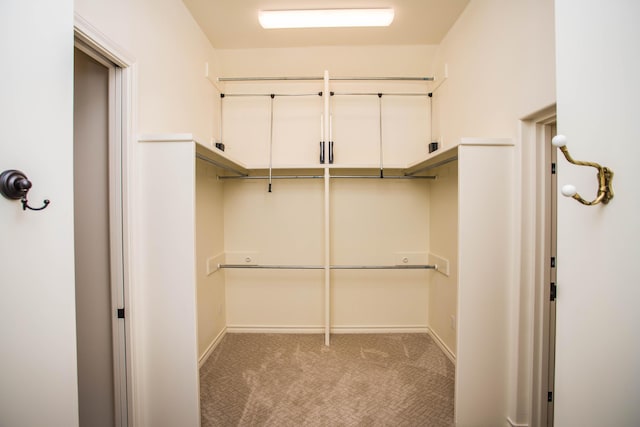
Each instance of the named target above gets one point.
<point>212,156</point>
<point>234,167</point>
<point>440,158</point>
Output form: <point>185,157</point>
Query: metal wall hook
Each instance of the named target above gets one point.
<point>605,176</point>
<point>25,205</point>
<point>15,185</point>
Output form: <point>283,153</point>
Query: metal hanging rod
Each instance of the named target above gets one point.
<point>313,78</point>
<point>433,166</point>
<point>331,176</point>
<point>224,95</point>
<point>399,79</point>
<point>258,79</point>
<point>383,267</point>
<point>377,94</point>
<point>273,177</point>
<point>332,267</point>
<point>384,177</point>
<point>220,165</point>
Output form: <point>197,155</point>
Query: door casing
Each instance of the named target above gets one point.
<point>122,156</point>
<point>537,336</point>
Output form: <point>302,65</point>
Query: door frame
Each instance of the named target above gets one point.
<point>122,70</point>
<point>538,224</point>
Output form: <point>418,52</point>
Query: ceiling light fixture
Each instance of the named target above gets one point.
<point>323,18</point>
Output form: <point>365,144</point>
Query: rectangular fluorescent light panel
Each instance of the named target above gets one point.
<point>324,18</point>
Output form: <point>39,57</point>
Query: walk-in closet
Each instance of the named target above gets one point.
<point>333,190</point>
<point>326,214</point>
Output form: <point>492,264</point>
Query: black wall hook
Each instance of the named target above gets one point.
<point>15,185</point>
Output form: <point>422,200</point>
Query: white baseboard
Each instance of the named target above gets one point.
<point>313,329</point>
<point>371,329</point>
<point>274,329</point>
<point>211,347</point>
<point>445,349</point>
<point>513,424</point>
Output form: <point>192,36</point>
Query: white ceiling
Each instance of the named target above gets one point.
<point>233,24</point>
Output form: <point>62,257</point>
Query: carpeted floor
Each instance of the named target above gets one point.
<point>294,380</point>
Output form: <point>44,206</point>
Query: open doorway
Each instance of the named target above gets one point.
<point>540,255</point>
<point>101,126</point>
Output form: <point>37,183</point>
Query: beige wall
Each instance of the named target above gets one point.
<point>371,222</point>
<point>209,244</point>
<point>340,61</point>
<point>170,53</point>
<point>282,227</point>
<point>443,242</point>
<point>501,67</point>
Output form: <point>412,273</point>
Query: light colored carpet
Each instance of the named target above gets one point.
<point>294,380</point>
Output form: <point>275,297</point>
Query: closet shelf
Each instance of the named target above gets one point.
<point>203,152</point>
<point>235,168</point>
<point>439,158</point>
<point>217,159</point>
<point>432,161</point>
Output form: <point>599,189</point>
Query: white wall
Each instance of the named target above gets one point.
<point>598,345</point>
<point>38,385</point>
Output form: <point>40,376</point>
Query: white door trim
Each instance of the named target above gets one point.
<point>93,42</point>
<point>533,340</point>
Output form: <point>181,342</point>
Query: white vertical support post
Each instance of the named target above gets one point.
<point>327,222</point>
